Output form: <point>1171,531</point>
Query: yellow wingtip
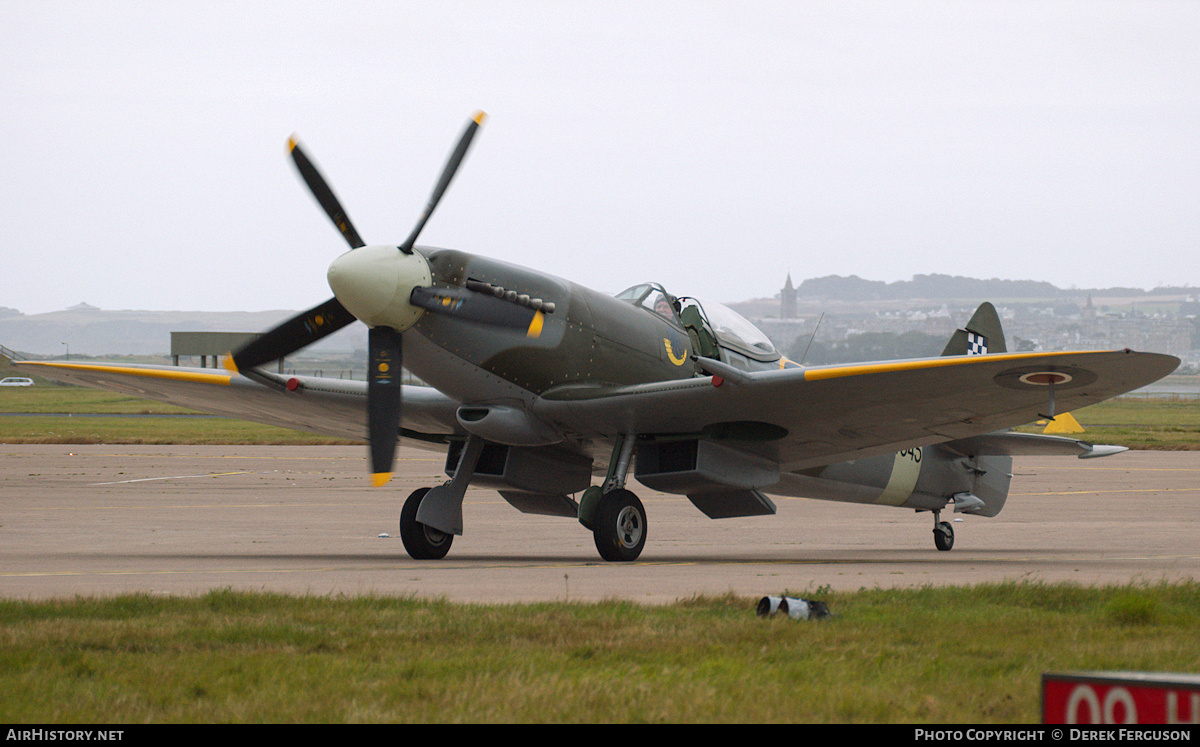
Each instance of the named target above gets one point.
<point>379,479</point>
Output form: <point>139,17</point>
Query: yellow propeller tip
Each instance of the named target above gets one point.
<point>229,363</point>
<point>479,117</point>
<point>292,143</point>
<point>379,479</point>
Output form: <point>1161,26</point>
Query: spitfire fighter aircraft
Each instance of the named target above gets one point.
<point>539,387</point>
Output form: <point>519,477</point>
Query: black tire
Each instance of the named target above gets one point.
<point>422,542</point>
<point>620,526</point>
<point>943,536</point>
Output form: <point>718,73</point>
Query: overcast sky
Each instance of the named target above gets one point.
<point>711,146</point>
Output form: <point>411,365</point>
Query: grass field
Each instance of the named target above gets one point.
<point>934,655</point>
<point>42,422</point>
<point>1167,422</point>
<point>50,429</point>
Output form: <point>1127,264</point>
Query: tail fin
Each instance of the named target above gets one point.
<point>983,334</point>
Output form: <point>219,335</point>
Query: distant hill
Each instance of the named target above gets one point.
<point>854,288</point>
<point>87,330</point>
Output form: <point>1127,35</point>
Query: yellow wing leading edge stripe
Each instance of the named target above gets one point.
<point>814,374</point>
<point>151,373</point>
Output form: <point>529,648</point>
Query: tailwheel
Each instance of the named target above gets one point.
<point>422,542</point>
<point>943,535</point>
<point>620,526</point>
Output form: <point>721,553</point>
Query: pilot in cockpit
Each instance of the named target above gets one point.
<point>663,307</point>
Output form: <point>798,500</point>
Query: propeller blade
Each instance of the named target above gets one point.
<point>383,401</point>
<point>324,194</point>
<point>299,331</point>
<point>478,307</point>
<point>456,158</point>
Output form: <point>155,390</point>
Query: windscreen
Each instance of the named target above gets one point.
<point>734,331</point>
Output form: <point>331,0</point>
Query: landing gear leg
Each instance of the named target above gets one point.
<point>442,505</point>
<point>615,515</point>
<point>432,516</point>
<point>943,533</point>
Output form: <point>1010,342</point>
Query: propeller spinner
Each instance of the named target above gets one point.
<point>373,284</point>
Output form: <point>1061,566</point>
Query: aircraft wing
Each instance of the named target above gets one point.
<point>333,407</point>
<point>808,417</point>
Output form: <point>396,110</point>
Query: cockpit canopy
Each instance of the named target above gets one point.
<point>731,330</point>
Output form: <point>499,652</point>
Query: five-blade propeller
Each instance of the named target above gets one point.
<point>385,355</point>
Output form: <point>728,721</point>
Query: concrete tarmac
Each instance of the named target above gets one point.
<point>105,520</point>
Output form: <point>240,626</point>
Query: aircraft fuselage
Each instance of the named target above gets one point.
<point>589,339</point>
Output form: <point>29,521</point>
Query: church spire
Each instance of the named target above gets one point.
<point>787,300</point>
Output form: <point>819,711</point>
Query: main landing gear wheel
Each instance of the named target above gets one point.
<point>620,526</point>
<point>422,542</point>
<point>943,535</point>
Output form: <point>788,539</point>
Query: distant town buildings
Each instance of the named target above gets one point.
<point>1165,321</point>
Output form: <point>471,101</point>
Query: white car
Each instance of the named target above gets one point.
<point>16,381</point>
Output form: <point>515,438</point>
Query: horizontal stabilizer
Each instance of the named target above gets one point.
<point>1009,443</point>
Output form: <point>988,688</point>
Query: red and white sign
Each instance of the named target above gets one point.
<point>1120,698</point>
